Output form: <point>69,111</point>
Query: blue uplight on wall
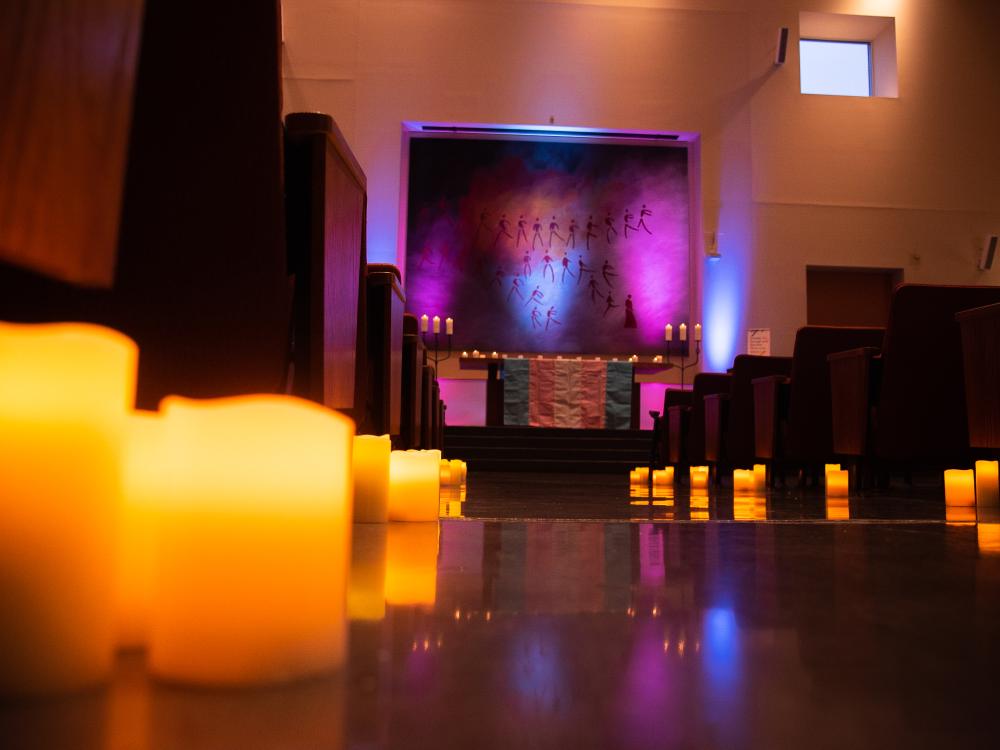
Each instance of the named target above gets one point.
<point>723,305</point>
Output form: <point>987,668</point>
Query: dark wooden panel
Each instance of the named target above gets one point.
<point>851,385</point>
<point>67,69</point>
<point>849,296</point>
<point>981,356</point>
<point>385,349</point>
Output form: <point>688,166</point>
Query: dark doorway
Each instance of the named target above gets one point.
<point>839,296</point>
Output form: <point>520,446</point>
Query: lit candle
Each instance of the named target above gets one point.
<point>65,392</point>
<point>475,354</point>
<point>668,333</point>
<point>987,490</point>
<point>697,332</point>
<point>366,590</point>
<point>827,468</point>
<point>143,483</point>
<point>837,482</point>
<point>445,473</point>
<point>414,485</point>
<point>436,320</point>
<point>253,545</point>
<point>494,355</point>
<point>663,477</point>
<point>449,326</point>
<point>411,563</point>
<point>759,477</point>
<point>424,321</point>
<point>683,332</point>
<point>959,487</point>
<point>458,469</point>
<point>641,473</point>
<point>465,354</point>
<point>371,478</point>
<point>743,480</point>
<point>838,508</point>
<point>698,476</point>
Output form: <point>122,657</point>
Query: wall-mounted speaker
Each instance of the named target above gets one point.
<point>782,50</point>
<point>989,253</point>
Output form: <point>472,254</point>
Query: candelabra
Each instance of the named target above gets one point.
<point>437,356</point>
<point>682,362</point>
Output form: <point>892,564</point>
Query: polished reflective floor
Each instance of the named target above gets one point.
<point>567,612</point>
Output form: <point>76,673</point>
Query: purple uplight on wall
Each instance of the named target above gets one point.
<point>575,246</point>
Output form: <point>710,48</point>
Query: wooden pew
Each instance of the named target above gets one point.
<point>980,330</point>
<point>904,405</point>
<point>326,202</point>
<point>792,415</point>
<point>687,422</point>
<point>661,422</point>
<point>428,405</point>
<point>411,412</point>
<point>729,416</point>
<point>385,348</point>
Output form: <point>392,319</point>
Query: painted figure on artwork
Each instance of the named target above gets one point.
<point>498,278</point>
<point>554,230</point>
<point>571,234</point>
<point>521,231</point>
<point>594,291</point>
<point>503,228</point>
<point>643,213</point>
<point>584,268</point>
<point>590,230</point>
<point>526,267</point>
<point>536,319</point>
<point>515,288</point>
<point>629,313</point>
<point>565,265</point>
<point>610,303</point>
<point>537,228</point>
<point>608,271</point>
<point>550,317</point>
<point>610,224</point>
<point>536,296</point>
<point>547,260</point>
<point>628,222</point>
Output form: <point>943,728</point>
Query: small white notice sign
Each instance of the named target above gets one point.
<point>759,341</point>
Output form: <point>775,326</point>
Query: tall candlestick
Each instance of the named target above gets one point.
<point>424,321</point>
<point>668,332</point>
<point>449,326</point>
<point>436,320</point>
<point>697,332</point>
<point>683,332</point>
<point>254,543</point>
<point>371,478</point>
<point>65,392</point>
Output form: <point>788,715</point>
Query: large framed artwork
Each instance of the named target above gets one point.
<point>549,239</point>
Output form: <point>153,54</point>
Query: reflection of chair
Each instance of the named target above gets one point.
<point>729,437</point>
<point>981,357</point>
<point>906,403</point>
<point>792,414</point>
<point>687,422</point>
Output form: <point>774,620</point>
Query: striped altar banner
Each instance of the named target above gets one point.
<point>567,393</point>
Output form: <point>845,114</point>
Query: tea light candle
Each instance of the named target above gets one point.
<point>987,490</point>
<point>449,326</point>
<point>411,563</point>
<point>663,477</point>
<point>371,478</point>
<point>959,487</point>
<point>253,545</point>
<point>414,484</point>
<point>436,320</point>
<point>743,480</point>
<point>698,476</point>
<point>65,392</point>
<point>143,483</point>
<point>424,321</point>
<point>837,481</point>
<point>366,590</point>
<point>759,477</point>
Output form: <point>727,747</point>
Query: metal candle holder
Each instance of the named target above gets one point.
<point>681,362</point>
<point>437,356</point>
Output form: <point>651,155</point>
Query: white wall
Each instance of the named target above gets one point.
<point>788,180</point>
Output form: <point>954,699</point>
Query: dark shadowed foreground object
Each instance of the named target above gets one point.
<point>981,356</point>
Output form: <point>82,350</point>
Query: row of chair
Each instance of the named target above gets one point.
<point>882,399</point>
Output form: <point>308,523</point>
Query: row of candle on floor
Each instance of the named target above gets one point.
<point>216,533</point>
<point>969,487</point>
<point>744,480</point>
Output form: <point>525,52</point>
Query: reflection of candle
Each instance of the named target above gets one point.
<point>414,484</point>
<point>959,487</point>
<point>366,590</point>
<point>837,508</point>
<point>253,545</point>
<point>371,478</point>
<point>65,391</point>
<point>449,326</point>
<point>987,490</point>
<point>424,320</point>
<point>759,477</point>
<point>436,320</point>
<point>663,477</point>
<point>411,563</point>
<point>697,332</point>
<point>837,481</point>
<point>668,333</point>
<point>698,476</point>
<point>143,480</point>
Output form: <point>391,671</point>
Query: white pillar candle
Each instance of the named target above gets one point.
<point>371,478</point>
<point>414,485</point>
<point>743,480</point>
<point>254,543</point>
<point>759,477</point>
<point>143,493</point>
<point>959,487</point>
<point>445,473</point>
<point>411,563</point>
<point>424,323</point>
<point>987,490</point>
<point>475,354</point>
<point>65,392</point>
<point>366,589</point>
<point>683,332</point>
<point>436,320</point>
<point>449,326</point>
<point>697,331</point>
<point>827,468</point>
<point>663,477</point>
<point>458,471</point>
<point>698,476</point>
<point>837,483</point>
<point>641,473</point>
<point>668,333</point>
